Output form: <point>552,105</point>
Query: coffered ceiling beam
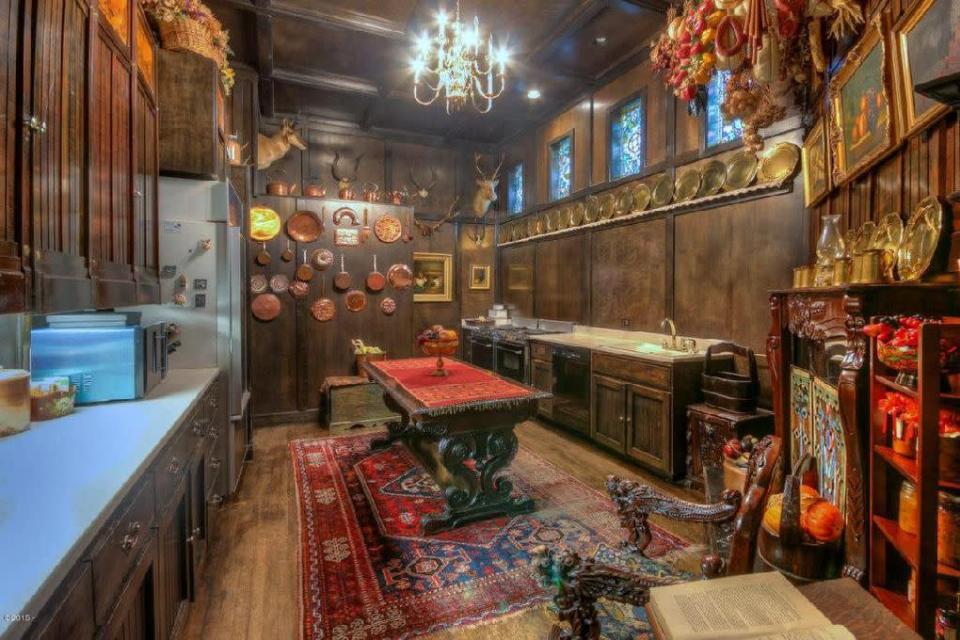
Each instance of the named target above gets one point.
<point>660,6</point>
<point>571,21</point>
<point>326,15</point>
<point>328,81</point>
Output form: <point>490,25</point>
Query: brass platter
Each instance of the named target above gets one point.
<point>577,213</point>
<point>662,191</point>
<point>741,170</point>
<point>688,184</point>
<point>920,239</point>
<point>538,224</point>
<point>863,239</point>
<point>641,196</point>
<point>888,238</point>
<point>531,226</point>
<point>607,205</point>
<point>624,202</point>
<point>712,178</point>
<point>563,217</point>
<point>553,220</point>
<point>779,162</point>
<point>592,209</point>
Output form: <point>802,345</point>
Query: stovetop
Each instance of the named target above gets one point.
<point>513,335</point>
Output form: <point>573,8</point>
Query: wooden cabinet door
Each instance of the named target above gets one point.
<point>111,220</point>
<point>145,213</point>
<point>55,194</point>
<point>198,519</point>
<point>608,424</point>
<point>541,374</point>
<point>135,616</point>
<point>13,279</point>
<point>649,426</point>
<point>173,577</point>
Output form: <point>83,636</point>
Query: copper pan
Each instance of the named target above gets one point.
<point>298,289</point>
<point>304,271</point>
<point>263,258</point>
<point>342,280</point>
<point>287,254</point>
<point>375,280</point>
<point>323,309</point>
<point>321,259</point>
<point>356,300</point>
<point>265,307</point>
<point>304,226</point>
<point>400,276</point>
<point>388,306</point>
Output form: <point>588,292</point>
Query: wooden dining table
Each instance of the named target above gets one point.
<point>460,427</point>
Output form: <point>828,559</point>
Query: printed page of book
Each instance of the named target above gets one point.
<point>833,632</point>
<point>747,606</point>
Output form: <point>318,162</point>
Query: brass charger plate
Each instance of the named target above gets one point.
<point>779,162</point>
<point>641,196</point>
<point>388,228</point>
<point>264,224</point>
<point>356,300</point>
<point>920,239</point>
<point>400,276</point>
<point>608,203</point>
<point>712,178</point>
<point>662,191</point>
<point>539,223</point>
<point>688,184</point>
<point>592,209</point>
<point>741,170</point>
<point>863,240</point>
<point>304,226</point>
<point>531,226</point>
<point>548,221</point>
<point>258,283</point>
<point>624,202</point>
<point>265,307</point>
<point>563,217</point>
<point>577,212</point>
<point>888,238</point>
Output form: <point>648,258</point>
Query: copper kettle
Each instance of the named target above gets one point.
<point>371,192</point>
<point>234,150</point>
<point>315,191</point>
<point>278,188</point>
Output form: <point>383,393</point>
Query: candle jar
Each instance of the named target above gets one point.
<point>14,401</point>
<point>948,529</point>
<point>909,516</point>
<point>904,439</point>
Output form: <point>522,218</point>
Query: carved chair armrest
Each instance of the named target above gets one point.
<point>635,502</point>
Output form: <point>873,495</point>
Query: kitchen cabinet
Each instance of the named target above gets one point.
<point>541,377</point>
<point>649,422</point>
<point>135,615</point>
<point>146,168</point>
<point>71,615</point>
<point>173,584</point>
<point>608,424</point>
<point>13,279</point>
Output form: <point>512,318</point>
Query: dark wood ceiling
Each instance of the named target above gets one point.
<point>348,61</point>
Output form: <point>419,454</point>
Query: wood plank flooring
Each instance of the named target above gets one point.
<point>250,584</point>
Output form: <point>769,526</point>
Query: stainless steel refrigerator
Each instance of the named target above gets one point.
<point>203,291</point>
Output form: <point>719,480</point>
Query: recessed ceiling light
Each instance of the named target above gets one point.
<point>600,41</point>
<point>533,94</point>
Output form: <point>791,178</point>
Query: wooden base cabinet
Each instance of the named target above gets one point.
<point>650,426</point>
<point>541,375</point>
<point>609,421</point>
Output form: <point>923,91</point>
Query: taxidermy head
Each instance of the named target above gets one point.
<point>270,149</point>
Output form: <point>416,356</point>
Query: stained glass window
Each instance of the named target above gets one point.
<point>626,139</point>
<point>561,168</point>
<point>719,129</point>
<point>515,189</point>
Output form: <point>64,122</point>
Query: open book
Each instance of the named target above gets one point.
<point>759,606</point>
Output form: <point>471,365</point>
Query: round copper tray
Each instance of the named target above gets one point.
<point>388,228</point>
<point>265,307</point>
<point>258,283</point>
<point>298,289</point>
<point>355,300</point>
<point>400,277</point>
<point>264,224</point>
<point>304,226</point>
<point>388,306</point>
<point>323,309</point>
<point>279,283</point>
<point>321,258</point>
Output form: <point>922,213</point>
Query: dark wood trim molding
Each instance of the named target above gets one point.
<point>324,14</point>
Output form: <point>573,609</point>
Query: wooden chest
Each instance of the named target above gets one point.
<point>352,401</point>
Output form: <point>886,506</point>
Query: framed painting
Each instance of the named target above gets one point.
<point>480,276</point>
<point>816,164</point>
<point>829,447</point>
<point>862,129</point>
<point>801,423</point>
<point>926,46</point>
<point>432,277</point>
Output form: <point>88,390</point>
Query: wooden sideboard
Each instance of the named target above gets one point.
<point>822,330</point>
<point>135,580</point>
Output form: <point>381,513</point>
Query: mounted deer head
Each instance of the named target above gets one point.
<point>424,192</point>
<point>486,188</point>
<point>272,148</point>
<point>344,182</point>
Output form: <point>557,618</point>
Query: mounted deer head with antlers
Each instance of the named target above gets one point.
<point>272,148</point>
<point>486,188</point>
<point>344,182</point>
<point>423,192</point>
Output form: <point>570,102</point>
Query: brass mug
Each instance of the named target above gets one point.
<point>801,277</point>
<point>868,267</point>
<point>842,270</point>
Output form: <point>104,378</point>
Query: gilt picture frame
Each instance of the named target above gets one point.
<point>925,45</point>
<point>432,277</point>
<point>480,277</point>
<point>816,164</point>
<point>863,115</point>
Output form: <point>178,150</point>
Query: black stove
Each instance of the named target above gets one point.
<point>502,349</point>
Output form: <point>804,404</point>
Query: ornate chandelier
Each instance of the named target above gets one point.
<point>455,63</point>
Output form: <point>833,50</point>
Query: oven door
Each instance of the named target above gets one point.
<point>481,353</point>
<point>511,361</point>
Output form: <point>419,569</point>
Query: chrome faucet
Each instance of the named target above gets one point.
<point>667,322</point>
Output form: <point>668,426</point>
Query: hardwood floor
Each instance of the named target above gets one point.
<point>250,585</point>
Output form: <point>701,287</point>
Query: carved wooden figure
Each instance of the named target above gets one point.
<point>272,148</point>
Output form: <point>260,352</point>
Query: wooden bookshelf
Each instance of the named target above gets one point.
<point>889,469</point>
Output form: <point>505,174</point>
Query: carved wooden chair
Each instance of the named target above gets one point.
<point>733,522</point>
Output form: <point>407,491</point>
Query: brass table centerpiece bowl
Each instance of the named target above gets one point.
<point>439,342</point>
<point>741,170</point>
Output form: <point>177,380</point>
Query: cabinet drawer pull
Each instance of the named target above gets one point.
<point>174,467</point>
<point>131,538</point>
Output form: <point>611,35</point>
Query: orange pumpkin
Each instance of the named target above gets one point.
<point>771,515</point>
<point>823,521</point>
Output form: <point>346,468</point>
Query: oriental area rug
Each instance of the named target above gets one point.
<point>368,573</point>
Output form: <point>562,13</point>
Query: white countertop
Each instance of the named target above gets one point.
<point>624,343</point>
<point>62,478</point>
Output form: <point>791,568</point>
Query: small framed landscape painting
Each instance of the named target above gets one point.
<point>863,120</point>
<point>479,276</point>
<point>432,277</point>
<point>926,46</point>
<point>816,164</point>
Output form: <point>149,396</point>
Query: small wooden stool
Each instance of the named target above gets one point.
<point>722,426</point>
<point>352,401</point>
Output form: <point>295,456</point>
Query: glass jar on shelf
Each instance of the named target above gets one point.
<point>909,515</point>
<point>948,529</point>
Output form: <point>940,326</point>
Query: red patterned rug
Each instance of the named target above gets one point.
<point>367,572</point>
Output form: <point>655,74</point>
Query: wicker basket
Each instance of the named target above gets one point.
<point>189,35</point>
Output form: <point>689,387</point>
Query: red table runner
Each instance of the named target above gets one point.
<point>465,385</point>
